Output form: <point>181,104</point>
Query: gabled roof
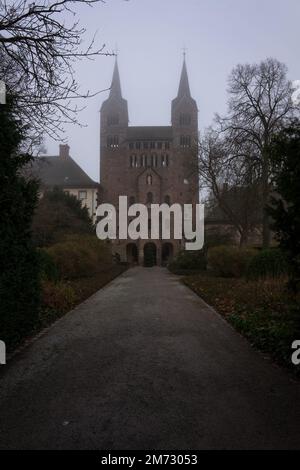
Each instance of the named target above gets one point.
<point>149,133</point>
<point>61,172</point>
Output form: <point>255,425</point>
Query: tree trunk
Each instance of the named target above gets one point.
<point>266,234</point>
<point>244,238</point>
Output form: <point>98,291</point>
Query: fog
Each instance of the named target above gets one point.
<point>150,37</point>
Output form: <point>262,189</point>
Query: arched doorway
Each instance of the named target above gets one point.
<point>149,255</point>
<point>166,253</point>
<point>132,253</point>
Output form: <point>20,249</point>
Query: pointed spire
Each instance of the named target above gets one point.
<point>184,87</point>
<point>115,89</point>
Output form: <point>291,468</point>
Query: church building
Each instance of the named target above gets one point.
<point>149,164</point>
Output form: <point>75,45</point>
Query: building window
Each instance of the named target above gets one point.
<point>185,119</point>
<point>152,145</point>
<point>159,145</point>
<point>133,161</point>
<point>167,200</point>
<point>112,119</point>
<point>155,160</point>
<point>112,141</point>
<point>143,160</point>
<point>149,179</point>
<point>167,160</point>
<point>185,141</point>
<point>131,145</point>
<point>81,195</point>
<point>149,197</point>
<point>145,145</point>
<point>167,145</point>
<point>138,145</point>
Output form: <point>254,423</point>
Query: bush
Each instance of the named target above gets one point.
<point>267,263</point>
<point>58,214</point>
<point>188,261</point>
<point>48,268</point>
<point>229,261</point>
<point>57,299</point>
<point>80,256</point>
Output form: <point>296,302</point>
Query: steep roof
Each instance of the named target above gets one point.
<point>61,172</point>
<point>149,133</point>
<point>115,89</point>
<point>184,87</point>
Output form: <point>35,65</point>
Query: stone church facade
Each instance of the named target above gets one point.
<point>149,164</point>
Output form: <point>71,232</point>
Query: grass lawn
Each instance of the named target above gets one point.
<point>263,311</point>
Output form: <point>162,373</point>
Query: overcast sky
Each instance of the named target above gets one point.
<point>151,34</point>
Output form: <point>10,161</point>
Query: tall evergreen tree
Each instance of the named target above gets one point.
<point>19,277</point>
<point>285,207</point>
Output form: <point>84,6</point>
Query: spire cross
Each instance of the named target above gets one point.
<point>184,49</point>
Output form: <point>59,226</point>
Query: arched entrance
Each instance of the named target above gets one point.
<point>132,253</point>
<point>166,253</point>
<point>149,255</point>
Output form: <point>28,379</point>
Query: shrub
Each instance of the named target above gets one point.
<point>80,256</point>
<point>188,260</point>
<point>267,263</point>
<point>57,299</point>
<point>58,214</point>
<point>229,261</point>
<point>48,268</point>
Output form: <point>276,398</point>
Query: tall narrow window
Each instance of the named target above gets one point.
<point>112,141</point>
<point>167,160</point>
<point>149,197</point>
<point>149,179</point>
<point>167,200</point>
<point>185,141</point>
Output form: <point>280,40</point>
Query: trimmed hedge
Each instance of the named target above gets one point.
<point>230,261</point>
<point>267,263</point>
<point>188,261</point>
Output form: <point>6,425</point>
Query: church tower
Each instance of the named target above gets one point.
<point>149,164</point>
<point>113,132</point>
<point>184,112</point>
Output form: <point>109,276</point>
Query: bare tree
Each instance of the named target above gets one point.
<point>39,44</point>
<point>233,188</point>
<point>260,103</point>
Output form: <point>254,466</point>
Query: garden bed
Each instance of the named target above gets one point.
<point>263,311</point>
